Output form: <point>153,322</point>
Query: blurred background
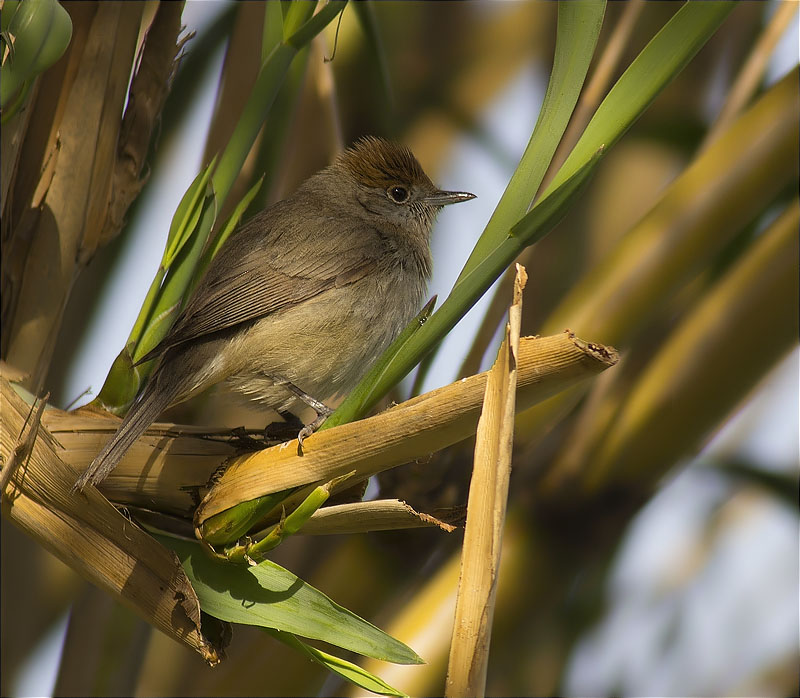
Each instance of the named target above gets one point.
<point>676,574</point>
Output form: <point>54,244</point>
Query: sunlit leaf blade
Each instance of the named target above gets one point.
<point>268,83</point>
<point>173,293</point>
<point>347,670</point>
<point>270,596</point>
<point>297,14</point>
<point>191,224</point>
<point>186,215</point>
<point>272,32</point>
<point>230,225</point>
<point>579,25</point>
<point>121,386</point>
<point>316,24</point>
<point>651,71</point>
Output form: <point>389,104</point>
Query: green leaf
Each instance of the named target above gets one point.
<point>173,292</point>
<point>182,227</point>
<point>268,83</point>
<point>297,14</point>
<point>230,225</point>
<point>579,25</point>
<point>9,10</point>
<point>347,670</point>
<point>187,215</point>
<point>651,71</point>
<point>272,32</point>
<point>121,385</point>
<point>316,24</point>
<point>270,596</point>
<point>233,523</point>
<point>287,526</point>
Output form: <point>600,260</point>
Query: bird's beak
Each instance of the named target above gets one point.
<point>443,198</point>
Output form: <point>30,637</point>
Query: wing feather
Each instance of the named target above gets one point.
<point>240,286</point>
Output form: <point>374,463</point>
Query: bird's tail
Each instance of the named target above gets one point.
<point>154,399</point>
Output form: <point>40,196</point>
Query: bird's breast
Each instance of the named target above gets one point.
<point>325,344</point>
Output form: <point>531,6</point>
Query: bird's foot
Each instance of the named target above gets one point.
<point>322,410</point>
<point>311,427</point>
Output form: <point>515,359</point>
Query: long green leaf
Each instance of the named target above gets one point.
<point>297,14</point>
<point>272,33</point>
<point>187,215</point>
<point>188,232</point>
<point>267,595</point>
<point>182,226</point>
<point>652,70</point>
<point>316,24</point>
<point>579,26</point>
<point>268,83</point>
<point>347,670</point>
<point>173,290</point>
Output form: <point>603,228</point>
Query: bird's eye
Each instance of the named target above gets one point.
<point>398,194</point>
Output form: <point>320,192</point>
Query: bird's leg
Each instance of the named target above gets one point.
<point>322,410</point>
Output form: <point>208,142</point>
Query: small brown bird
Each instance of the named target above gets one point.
<point>304,296</point>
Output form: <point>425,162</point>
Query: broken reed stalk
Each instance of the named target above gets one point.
<point>486,515</point>
<point>91,536</point>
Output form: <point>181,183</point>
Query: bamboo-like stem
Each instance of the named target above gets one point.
<point>148,92</point>
<point>751,74</point>
<point>406,432</point>
<point>738,331</point>
<point>722,190</point>
<point>486,514</point>
<point>610,406</point>
<point>169,468</point>
<point>425,620</point>
<point>77,195</point>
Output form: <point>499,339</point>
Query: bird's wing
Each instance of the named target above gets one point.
<point>240,286</point>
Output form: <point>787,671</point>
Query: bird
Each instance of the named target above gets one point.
<point>303,296</point>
